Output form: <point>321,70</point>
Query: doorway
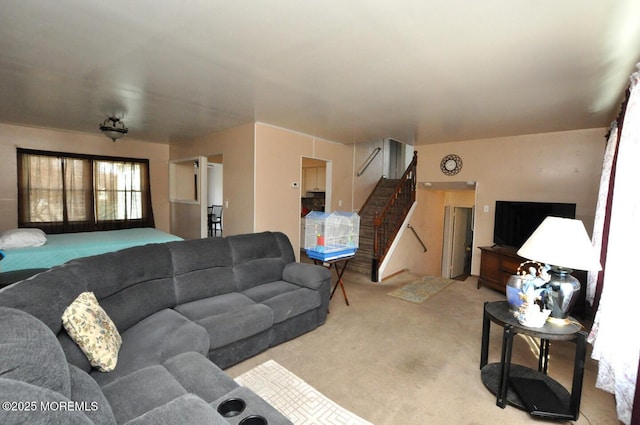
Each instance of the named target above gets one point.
<point>214,195</point>
<point>457,237</point>
<point>395,159</point>
<point>187,195</point>
<point>315,190</point>
<point>457,242</point>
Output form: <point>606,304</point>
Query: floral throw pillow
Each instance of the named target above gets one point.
<point>91,328</point>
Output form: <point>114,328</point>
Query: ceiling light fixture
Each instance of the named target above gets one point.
<point>113,128</point>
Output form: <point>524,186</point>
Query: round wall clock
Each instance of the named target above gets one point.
<point>451,164</point>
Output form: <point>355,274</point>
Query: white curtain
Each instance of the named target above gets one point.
<point>615,337</point>
<point>601,207</point>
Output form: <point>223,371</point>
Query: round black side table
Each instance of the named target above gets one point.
<point>536,392</point>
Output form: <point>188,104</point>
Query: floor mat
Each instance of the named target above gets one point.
<point>420,290</point>
<point>294,398</point>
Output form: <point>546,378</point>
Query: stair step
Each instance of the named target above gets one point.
<point>376,203</point>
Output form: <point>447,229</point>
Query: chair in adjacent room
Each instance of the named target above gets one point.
<point>214,219</point>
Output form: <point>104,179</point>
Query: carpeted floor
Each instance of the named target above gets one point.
<point>392,362</point>
<point>420,290</point>
<point>294,398</point>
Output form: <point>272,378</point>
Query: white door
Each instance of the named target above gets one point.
<point>459,239</point>
<point>215,184</point>
<point>202,184</point>
<point>447,242</point>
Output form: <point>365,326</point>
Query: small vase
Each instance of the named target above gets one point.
<point>514,290</point>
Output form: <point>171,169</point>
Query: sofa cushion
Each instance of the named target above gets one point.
<point>200,376</point>
<point>7,278</point>
<point>187,409</point>
<point>121,279</point>
<point>154,340</point>
<point>109,273</point>
<point>85,390</point>
<point>254,246</point>
<point>228,318</point>
<point>141,391</point>
<point>204,283</point>
<point>285,299</point>
<point>259,258</point>
<point>269,290</point>
<point>45,295</point>
<point>30,352</point>
<point>257,272</point>
<point>202,268</point>
<point>126,309</point>
<point>200,254</point>
<point>94,332</point>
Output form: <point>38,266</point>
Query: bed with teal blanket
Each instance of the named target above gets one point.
<point>61,248</point>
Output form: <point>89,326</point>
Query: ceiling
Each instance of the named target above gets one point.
<point>419,71</point>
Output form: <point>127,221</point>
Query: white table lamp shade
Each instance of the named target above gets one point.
<point>561,242</point>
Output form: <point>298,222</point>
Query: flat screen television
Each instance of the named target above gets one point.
<point>515,221</point>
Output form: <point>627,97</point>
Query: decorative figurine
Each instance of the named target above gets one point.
<point>534,278</point>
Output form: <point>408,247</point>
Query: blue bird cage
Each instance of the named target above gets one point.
<point>330,236</point>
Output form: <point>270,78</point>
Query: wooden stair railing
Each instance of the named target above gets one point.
<point>387,222</point>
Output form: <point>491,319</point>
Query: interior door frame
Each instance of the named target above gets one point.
<point>462,222</point>
<point>448,237</point>
<point>192,208</point>
<point>327,191</point>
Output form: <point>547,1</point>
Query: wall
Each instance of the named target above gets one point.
<point>428,222</point>
<point>554,167</point>
<point>279,155</point>
<point>363,185</point>
<point>12,136</point>
<point>561,167</point>
<point>236,145</point>
<point>460,198</point>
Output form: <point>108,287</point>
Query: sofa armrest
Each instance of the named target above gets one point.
<point>307,275</point>
<point>187,409</point>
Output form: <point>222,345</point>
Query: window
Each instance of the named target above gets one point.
<point>61,192</point>
<point>118,190</point>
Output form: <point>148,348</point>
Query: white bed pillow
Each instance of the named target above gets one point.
<point>22,238</point>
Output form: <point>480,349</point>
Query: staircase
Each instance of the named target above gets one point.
<point>381,218</point>
<point>376,202</point>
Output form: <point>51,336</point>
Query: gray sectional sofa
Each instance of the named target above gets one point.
<point>185,311</point>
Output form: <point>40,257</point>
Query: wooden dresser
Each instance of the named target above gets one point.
<point>497,264</point>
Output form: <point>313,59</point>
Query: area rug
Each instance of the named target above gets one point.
<point>419,290</point>
<point>294,398</point>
